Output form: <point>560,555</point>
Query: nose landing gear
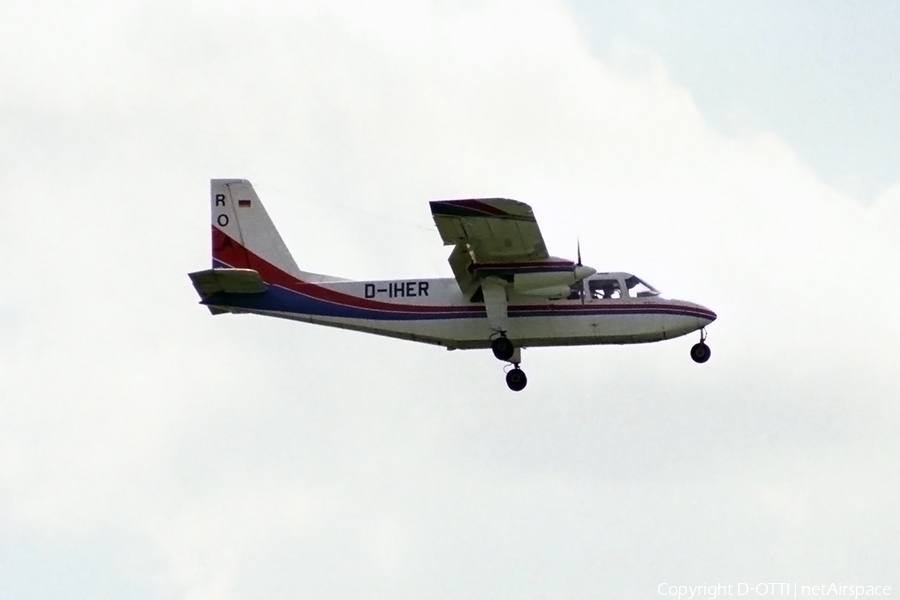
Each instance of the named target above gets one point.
<point>700,352</point>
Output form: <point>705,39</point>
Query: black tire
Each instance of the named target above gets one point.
<point>700,352</point>
<point>503,348</point>
<point>516,379</point>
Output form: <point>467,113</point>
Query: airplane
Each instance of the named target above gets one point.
<point>507,292</point>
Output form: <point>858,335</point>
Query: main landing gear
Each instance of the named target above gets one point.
<point>515,379</point>
<point>504,350</point>
<point>700,352</point>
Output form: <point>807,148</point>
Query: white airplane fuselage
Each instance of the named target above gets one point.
<point>435,311</point>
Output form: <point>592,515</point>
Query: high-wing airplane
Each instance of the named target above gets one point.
<point>507,292</point>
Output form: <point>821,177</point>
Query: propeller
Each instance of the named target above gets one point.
<point>578,264</point>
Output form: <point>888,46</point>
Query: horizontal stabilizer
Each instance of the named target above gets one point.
<point>231,281</point>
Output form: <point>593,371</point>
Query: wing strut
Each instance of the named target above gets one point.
<point>495,302</point>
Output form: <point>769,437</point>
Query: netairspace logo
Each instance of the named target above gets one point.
<point>771,590</point>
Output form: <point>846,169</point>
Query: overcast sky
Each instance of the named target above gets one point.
<point>744,158</point>
<point>821,74</point>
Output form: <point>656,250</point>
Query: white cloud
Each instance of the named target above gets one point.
<point>250,457</point>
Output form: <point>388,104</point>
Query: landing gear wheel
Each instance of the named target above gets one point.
<point>700,352</point>
<point>503,348</point>
<point>516,379</point>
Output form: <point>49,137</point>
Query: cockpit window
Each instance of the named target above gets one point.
<point>640,289</point>
<point>605,289</point>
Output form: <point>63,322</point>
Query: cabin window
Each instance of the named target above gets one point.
<point>640,289</point>
<point>605,289</point>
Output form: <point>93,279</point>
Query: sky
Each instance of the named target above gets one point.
<point>149,450</point>
<point>821,74</point>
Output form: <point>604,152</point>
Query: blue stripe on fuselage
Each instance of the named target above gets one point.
<point>279,299</point>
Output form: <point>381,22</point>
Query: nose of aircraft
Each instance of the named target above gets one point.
<point>708,316</point>
<point>704,315</point>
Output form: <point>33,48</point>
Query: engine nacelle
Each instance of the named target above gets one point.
<point>551,293</point>
<point>550,284</point>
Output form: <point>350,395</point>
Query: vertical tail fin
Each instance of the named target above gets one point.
<point>243,235</point>
<point>242,232</point>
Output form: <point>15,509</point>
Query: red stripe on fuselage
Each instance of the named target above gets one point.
<point>233,254</point>
<point>230,250</point>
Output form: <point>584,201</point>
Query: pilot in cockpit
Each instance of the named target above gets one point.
<point>604,289</point>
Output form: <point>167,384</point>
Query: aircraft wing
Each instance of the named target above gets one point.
<point>488,232</point>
